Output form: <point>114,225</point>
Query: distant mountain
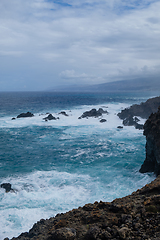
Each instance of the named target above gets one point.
<point>117,86</point>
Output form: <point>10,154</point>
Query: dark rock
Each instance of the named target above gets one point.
<point>120,127</point>
<point>93,233</point>
<point>103,120</point>
<point>7,187</point>
<point>93,113</point>
<point>49,117</point>
<point>129,121</point>
<point>132,121</point>
<point>64,113</point>
<point>23,115</point>
<point>142,110</point>
<point>152,133</point>
<point>139,126</point>
<point>13,118</point>
<point>63,234</point>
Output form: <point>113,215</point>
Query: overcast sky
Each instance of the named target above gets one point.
<point>46,43</point>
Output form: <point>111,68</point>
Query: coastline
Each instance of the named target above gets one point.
<point>135,216</point>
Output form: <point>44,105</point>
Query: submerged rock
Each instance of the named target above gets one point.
<point>152,133</point>
<point>93,113</point>
<point>23,115</point>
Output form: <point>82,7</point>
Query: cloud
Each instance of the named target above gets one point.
<point>47,43</point>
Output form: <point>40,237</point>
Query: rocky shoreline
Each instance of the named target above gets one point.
<point>136,216</point>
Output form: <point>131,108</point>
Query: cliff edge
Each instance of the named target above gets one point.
<point>152,133</point>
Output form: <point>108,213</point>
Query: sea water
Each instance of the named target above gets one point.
<point>61,164</point>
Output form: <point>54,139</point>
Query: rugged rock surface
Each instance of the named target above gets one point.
<point>93,113</point>
<point>132,121</point>
<point>142,110</point>
<point>23,115</point>
<point>49,117</point>
<point>136,216</point>
<point>152,133</point>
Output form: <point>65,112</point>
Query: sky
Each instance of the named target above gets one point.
<point>45,43</point>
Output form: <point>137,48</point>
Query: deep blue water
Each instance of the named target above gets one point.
<point>62,164</point>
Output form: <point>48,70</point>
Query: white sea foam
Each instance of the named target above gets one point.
<point>43,194</point>
<point>70,120</point>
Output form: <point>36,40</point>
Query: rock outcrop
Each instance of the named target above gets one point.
<point>152,133</point>
<point>24,115</point>
<point>64,113</point>
<point>136,216</point>
<point>142,110</point>
<point>49,117</point>
<point>93,113</point>
<point>7,187</point>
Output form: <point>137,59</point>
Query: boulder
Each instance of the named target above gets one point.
<point>120,127</point>
<point>7,187</point>
<point>93,113</point>
<point>23,115</point>
<point>49,117</point>
<point>152,133</point>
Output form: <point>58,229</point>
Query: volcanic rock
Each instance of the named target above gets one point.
<point>93,113</point>
<point>103,120</point>
<point>23,115</point>
<point>142,110</point>
<point>49,117</point>
<point>136,216</point>
<point>64,113</point>
<point>7,187</point>
<point>152,133</point>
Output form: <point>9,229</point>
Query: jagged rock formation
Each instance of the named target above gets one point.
<point>136,216</point>
<point>142,110</point>
<point>49,117</point>
<point>152,133</point>
<point>93,113</point>
<point>23,115</point>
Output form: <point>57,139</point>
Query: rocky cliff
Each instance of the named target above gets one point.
<point>142,110</point>
<point>152,133</point>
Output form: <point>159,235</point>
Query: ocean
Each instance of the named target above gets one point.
<point>55,166</point>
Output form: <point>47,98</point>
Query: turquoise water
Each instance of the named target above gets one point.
<point>59,165</point>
